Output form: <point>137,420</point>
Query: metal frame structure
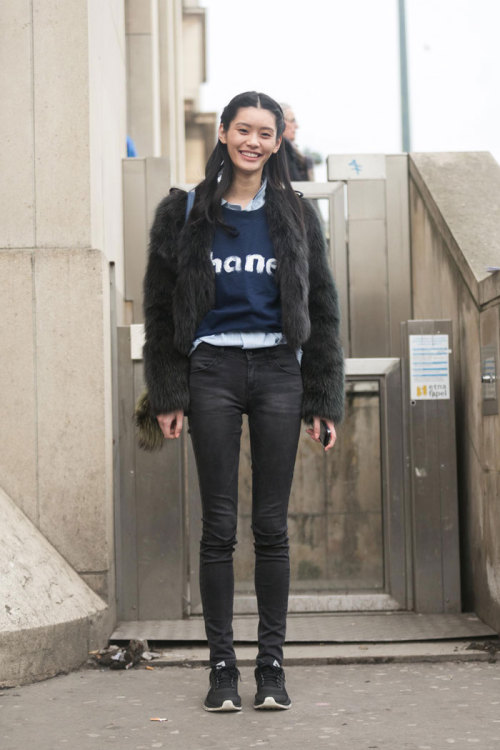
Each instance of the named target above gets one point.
<point>396,533</point>
<point>336,231</point>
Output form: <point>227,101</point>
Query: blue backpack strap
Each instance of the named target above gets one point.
<point>189,204</point>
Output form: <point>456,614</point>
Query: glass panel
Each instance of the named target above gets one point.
<point>355,554</point>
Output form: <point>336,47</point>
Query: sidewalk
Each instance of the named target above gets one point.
<point>394,706</point>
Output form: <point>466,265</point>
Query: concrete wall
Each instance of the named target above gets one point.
<point>55,441</point>
<point>106,126</point>
<point>155,106</point>
<point>200,127</point>
<point>49,619</point>
<point>455,231</point>
<point>62,123</point>
<point>165,42</point>
<point>194,63</point>
<point>143,113</point>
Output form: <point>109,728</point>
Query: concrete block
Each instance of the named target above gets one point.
<point>115,10</point>
<point>74,405</point>
<point>461,186</point>
<point>138,17</point>
<point>140,110</point>
<point>50,617</point>
<point>195,154</point>
<point>194,53</point>
<point>99,583</point>
<point>369,324</point>
<point>16,126</point>
<point>18,439</point>
<point>62,165</point>
<point>366,199</point>
<point>107,127</point>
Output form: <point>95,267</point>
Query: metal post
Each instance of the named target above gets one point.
<point>432,462</point>
<point>403,67</point>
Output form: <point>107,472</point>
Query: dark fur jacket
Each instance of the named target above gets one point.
<point>179,289</point>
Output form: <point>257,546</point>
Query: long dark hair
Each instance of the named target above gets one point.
<point>219,168</point>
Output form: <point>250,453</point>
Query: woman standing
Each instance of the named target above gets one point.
<point>242,317</point>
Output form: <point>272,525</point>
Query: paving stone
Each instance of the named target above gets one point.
<point>420,706</point>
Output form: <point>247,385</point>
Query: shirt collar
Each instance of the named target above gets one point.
<point>257,201</point>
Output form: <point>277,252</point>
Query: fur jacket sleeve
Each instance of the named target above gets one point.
<point>166,369</point>
<point>179,289</point>
<point>322,359</point>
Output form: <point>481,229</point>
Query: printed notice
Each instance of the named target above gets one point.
<point>429,367</point>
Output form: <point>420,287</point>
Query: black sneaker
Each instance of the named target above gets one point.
<point>223,693</point>
<point>271,692</point>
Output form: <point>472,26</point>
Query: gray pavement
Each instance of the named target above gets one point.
<point>417,706</point>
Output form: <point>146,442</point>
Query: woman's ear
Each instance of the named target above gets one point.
<point>222,134</point>
<point>278,144</point>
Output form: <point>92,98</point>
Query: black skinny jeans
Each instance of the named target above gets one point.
<point>266,384</point>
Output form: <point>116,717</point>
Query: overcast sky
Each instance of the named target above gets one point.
<point>337,63</point>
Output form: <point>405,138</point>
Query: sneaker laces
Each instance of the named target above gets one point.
<point>272,675</point>
<point>226,676</point>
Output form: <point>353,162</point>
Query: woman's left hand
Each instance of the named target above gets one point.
<point>314,431</point>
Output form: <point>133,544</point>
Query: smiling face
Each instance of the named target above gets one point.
<point>250,139</point>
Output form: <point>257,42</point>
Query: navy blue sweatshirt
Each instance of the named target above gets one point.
<point>246,293</point>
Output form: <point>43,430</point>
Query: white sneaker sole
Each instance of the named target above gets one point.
<point>228,705</point>
<point>271,704</point>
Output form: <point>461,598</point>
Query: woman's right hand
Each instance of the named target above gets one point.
<point>171,423</point>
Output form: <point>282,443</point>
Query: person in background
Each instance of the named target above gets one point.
<point>241,317</point>
<point>300,167</point>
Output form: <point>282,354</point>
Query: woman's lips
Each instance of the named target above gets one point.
<point>250,154</point>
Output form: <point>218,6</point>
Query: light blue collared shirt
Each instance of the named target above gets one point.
<point>253,339</point>
<point>257,201</point>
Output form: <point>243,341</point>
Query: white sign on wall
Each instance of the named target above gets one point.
<point>356,167</point>
<point>429,367</point>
